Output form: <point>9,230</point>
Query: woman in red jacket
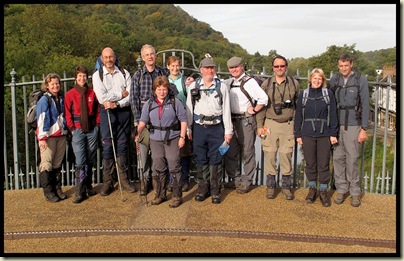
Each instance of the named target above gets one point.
<point>83,119</point>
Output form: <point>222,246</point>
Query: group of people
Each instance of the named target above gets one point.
<point>214,120</point>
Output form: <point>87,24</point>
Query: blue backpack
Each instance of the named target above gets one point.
<point>99,67</point>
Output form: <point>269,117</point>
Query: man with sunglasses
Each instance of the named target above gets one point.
<point>275,126</point>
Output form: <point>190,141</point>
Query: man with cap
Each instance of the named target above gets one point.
<point>209,118</point>
<point>246,99</point>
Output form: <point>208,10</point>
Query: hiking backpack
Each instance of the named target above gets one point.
<point>198,89</point>
<point>33,99</point>
<point>99,67</point>
<point>358,108</point>
<point>172,94</point>
<point>244,79</point>
<point>325,97</point>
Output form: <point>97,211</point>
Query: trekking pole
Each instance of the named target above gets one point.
<point>140,169</point>
<point>113,149</point>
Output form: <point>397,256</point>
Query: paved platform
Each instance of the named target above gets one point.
<point>242,225</point>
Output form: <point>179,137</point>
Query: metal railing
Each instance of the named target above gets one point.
<point>21,147</point>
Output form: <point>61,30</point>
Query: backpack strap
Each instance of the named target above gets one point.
<point>325,97</point>
<point>184,87</point>
<point>244,79</point>
<point>175,126</point>
<point>357,107</point>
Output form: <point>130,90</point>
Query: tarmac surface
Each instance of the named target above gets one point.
<point>241,226</point>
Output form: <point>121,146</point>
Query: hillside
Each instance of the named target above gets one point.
<point>43,38</point>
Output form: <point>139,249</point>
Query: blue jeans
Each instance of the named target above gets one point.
<point>85,146</point>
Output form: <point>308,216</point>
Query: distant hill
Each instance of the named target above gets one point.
<point>43,38</point>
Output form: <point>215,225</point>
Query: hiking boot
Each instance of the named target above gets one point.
<point>106,189</point>
<point>325,200</point>
<point>158,201</point>
<point>143,188</point>
<point>355,201</point>
<point>242,189</point>
<point>270,193</point>
<point>287,193</point>
<point>52,197</point>
<point>311,197</point>
<point>185,187</point>
<point>79,199</point>
<point>339,199</point>
<point>201,197</point>
<point>216,199</point>
<point>127,186</point>
<point>175,202</point>
<point>230,185</point>
<point>58,184</point>
<point>91,191</point>
<point>170,187</point>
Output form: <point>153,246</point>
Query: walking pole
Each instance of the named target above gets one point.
<point>140,170</point>
<point>113,149</point>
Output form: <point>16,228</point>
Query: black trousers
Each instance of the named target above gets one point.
<point>317,153</point>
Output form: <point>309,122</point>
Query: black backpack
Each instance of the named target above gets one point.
<point>244,79</point>
<point>33,98</point>
<point>357,107</point>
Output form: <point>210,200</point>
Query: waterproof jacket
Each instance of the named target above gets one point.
<point>51,120</point>
<point>316,108</point>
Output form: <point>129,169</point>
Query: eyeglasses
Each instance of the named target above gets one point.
<point>279,66</point>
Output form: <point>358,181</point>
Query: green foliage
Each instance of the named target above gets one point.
<point>378,161</point>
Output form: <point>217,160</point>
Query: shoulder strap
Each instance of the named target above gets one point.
<point>184,88</point>
<point>218,83</point>
<point>243,81</point>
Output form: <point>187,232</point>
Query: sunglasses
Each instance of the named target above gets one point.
<point>279,66</point>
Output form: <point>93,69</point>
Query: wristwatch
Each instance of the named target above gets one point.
<point>117,104</point>
<point>182,137</point>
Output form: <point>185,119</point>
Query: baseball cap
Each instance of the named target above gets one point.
<point>234,61</point>
<point>207,62</point>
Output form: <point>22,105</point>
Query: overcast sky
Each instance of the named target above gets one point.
<point>300,30</point>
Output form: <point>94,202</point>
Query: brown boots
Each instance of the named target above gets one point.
<point>108,169</point>
<point>160,188</point>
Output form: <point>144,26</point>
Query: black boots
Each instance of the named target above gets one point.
<point>286,183</point>
<point>57,181</point>
<point>203,185</point>
<point>271,184</point>
<point>215,177</point>
<point>46,183</point>
<point>80,179</point>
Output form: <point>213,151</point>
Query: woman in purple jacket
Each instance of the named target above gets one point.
<point>167,119</point>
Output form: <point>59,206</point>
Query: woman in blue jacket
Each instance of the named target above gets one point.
<point>316,130</point>
<point>51,134</point>
<point>167,118</point>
